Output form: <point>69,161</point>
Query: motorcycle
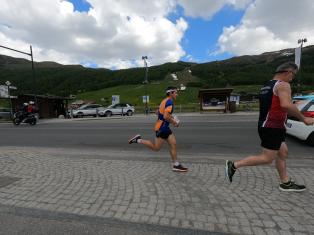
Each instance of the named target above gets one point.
<point>20,117</point>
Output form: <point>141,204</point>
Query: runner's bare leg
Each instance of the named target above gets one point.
<point>173,147</point>
<point>281,162</point>
<point>156,146</point>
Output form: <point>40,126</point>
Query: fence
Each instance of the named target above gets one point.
<point>247,106</point>
<point>180,108</point>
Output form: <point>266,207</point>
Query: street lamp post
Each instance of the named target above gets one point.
<point>8,83</point>
<point>145,83</point>
<point>300,41</point>
<point>33,70</point>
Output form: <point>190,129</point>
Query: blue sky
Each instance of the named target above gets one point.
<point>80,5</point>
<point>200,39</point>
<point>116,34</point>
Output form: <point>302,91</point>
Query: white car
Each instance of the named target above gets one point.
<point>298,129</point>
<point>117,109</point>
<point>87,110</point>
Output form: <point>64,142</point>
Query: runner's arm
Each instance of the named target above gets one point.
<point>169,118</point>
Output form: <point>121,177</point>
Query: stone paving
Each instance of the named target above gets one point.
<point>143,191</point>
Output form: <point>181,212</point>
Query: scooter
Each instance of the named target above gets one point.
<point>20,117</point>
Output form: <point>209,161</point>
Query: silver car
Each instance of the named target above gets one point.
<point>87,110</point>
<point>117,109</point>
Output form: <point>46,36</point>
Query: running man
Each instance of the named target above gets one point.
<point>275,103</point>
<point>163,132</point>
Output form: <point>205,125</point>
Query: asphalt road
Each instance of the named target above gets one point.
<point>202,135</point>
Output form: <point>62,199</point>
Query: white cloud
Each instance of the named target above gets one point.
<point>241,40</point>
<point>112,33</point>
<point>206,9</point>
<point>269,25</point>
<point>190,58</point>
<point>116,34</point>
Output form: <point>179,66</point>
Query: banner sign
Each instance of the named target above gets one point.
<point>145,99</point>
<point>298,56</point>
<point>115,99</point>
<point>4,93</point>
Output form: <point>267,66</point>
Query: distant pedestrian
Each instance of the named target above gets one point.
<point>275,103</point>
<point>163,131</point>
<point>24,108</point>
<point>30,107</point>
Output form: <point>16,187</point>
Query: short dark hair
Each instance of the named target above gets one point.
<point>170,89</point>
<point>285,66</point>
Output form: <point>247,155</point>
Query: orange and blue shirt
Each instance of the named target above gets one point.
<point>165,105</point>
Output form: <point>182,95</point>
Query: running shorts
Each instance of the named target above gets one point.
<point>271,138</point>
<point>164,134</point>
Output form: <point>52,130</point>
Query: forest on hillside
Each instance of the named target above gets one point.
<point>63,80</point>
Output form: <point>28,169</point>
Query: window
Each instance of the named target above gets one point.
<point>311,108</point>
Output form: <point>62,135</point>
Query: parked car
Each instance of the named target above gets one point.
<point>299,129</point>
<point>303,97</point>
<point>87,110</point>
<point>117,109</point>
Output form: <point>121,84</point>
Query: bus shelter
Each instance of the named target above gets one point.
<point>216,99</point>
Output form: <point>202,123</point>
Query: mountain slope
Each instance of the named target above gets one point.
<point>57,79</point>
<point>250,70</point>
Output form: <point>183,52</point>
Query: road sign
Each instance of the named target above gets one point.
<point>145,99</point>
<point>115,99</point>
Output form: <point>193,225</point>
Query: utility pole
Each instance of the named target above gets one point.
<point>300,41</point>
<point>8,83</point>
<point>145,83</point>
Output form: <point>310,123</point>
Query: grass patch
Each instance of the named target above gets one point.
<point>187,100</point>
<point>134,94</point>
<point>4,103</point>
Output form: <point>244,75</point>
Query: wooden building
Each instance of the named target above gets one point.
<point>216,99</point>
<point>48,106</point>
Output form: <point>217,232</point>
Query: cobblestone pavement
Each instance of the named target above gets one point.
<point>143,191</point>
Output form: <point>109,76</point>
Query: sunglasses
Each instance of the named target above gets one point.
<point>289,71</point>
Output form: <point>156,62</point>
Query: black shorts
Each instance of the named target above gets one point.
<point>164,134</point>
<point>271,138</point>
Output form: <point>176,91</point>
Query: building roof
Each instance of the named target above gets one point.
<point>53,97</point>
<point>215,91</point>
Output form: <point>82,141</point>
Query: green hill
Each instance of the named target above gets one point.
<point>253,70</point>
<point>52,78</point>
<point>57,79</point>
<point>133,94</point>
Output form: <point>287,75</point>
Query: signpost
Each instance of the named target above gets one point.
<point>145,99</point>
<point>33,70</point>
<point>115,99</point>
<point>4,91</point>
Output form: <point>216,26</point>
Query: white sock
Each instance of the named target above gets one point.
<point>176,163</point>
<point>139,141</point>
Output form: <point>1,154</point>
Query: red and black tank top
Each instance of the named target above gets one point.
<point>271,114</point>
